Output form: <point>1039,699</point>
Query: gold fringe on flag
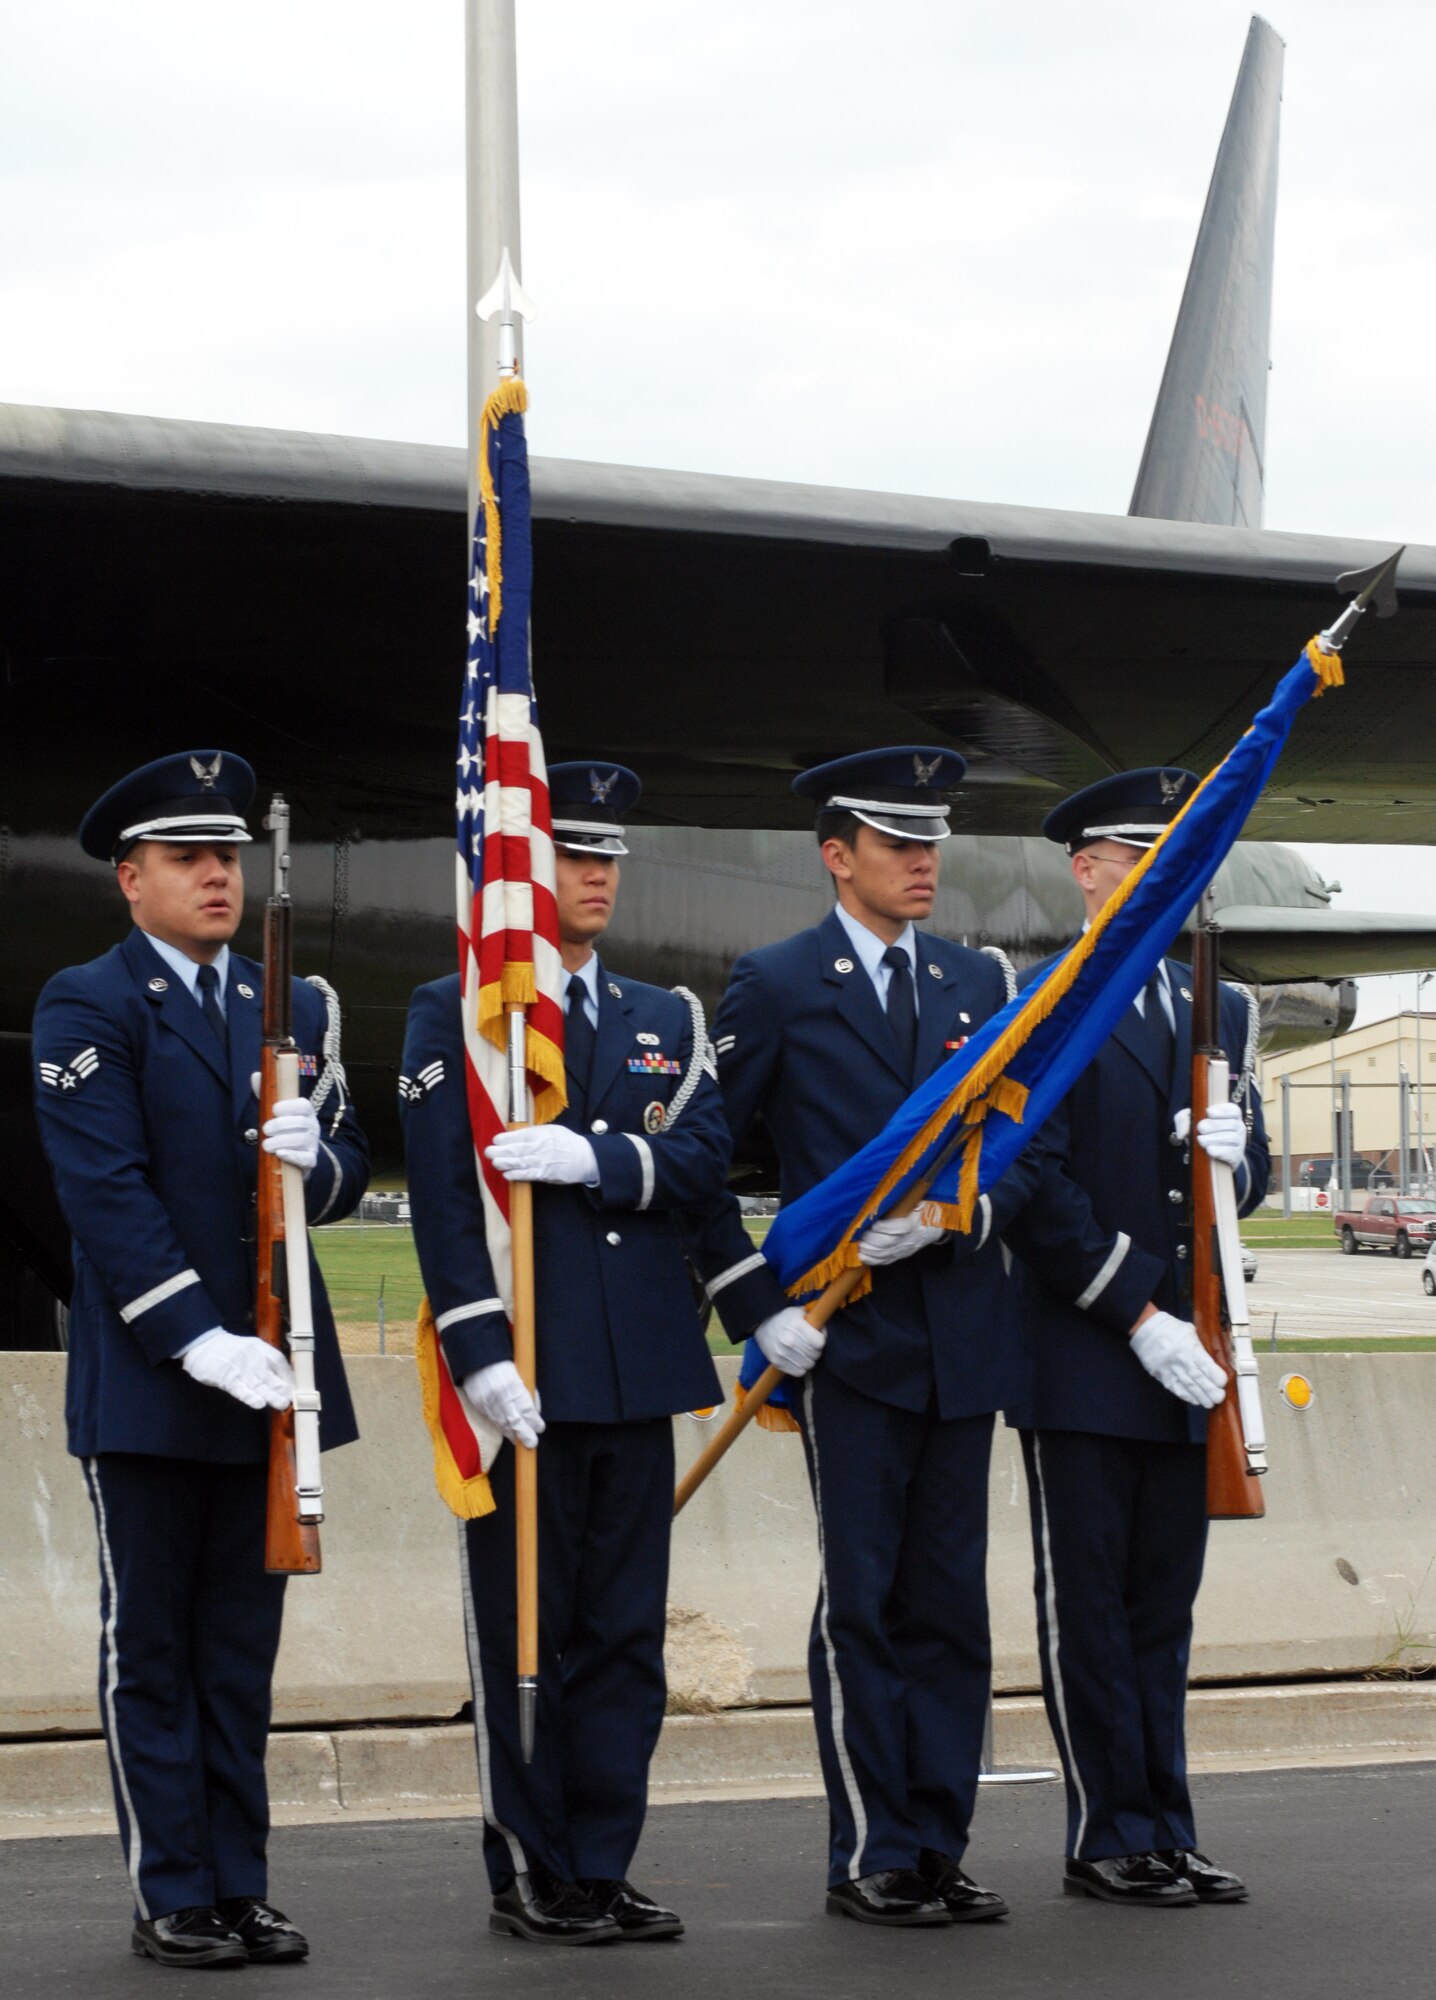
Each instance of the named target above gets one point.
<point>509,399</point>
<point>472,1498</point>
<point>985,1087</point>
<point>771,1417</point>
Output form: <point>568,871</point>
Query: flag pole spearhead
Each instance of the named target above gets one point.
<point>1375,585</point>
<point>507,301</point>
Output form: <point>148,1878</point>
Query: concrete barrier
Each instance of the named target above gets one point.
<point>1337,1580</point>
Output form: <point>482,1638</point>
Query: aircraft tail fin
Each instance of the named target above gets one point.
<point>1204,457</point>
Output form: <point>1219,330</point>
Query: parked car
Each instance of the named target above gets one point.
<point>1399,1223</point>
<point>1428,1273</point>
<point>1249,1263</point>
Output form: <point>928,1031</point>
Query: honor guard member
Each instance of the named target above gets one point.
<point>620,1350</point>
<point>821,1038</point>
<point>145,1065</point>
<point>1114,1428</point>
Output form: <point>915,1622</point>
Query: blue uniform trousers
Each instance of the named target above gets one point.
<point>189,1633</point>
<point>605,1517</point>
<point>1119,1528</point>
<point>900,1657</point>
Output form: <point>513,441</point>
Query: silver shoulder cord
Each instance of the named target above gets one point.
<point>332,1075</point>
<point>1009,970</point>
<point>1245,1081</point>
<point>702,1058</point>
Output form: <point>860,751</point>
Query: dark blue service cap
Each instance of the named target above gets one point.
<point>194,795</point>
<point>899,790</point>
<point>589,803</point>
<point>1134,806</point>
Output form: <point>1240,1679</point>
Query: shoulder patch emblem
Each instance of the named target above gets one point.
<point>653,1116</point>
<point>69,1076</point>
<point>412,1089</point>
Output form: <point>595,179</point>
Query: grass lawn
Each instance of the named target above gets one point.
<point>1268,1228</point>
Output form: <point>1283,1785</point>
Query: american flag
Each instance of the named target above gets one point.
<point>507,912</point>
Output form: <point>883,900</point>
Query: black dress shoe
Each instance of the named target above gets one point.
<point>637,1916</point>
<point>1143,1880</point>
<point>966,1902</point>
<point>545,1910</point>
<point>197,1936</point>
<point>891,1896</point>
<point>268,1936</point>
<point>1212,1884</point>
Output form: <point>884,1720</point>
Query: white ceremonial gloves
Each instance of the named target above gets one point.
<point>790,1341</point>
<point>896,1237</point>
<point>1171,1353</point>
<point>244,1367</point>
<point>291,1130</point>
<point>1221,1132</point>
<point>545,1153</point>
<point>498,1394</point>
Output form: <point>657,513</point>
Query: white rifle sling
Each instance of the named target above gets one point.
<point>1229,1252</point>
<point>309,1485</point>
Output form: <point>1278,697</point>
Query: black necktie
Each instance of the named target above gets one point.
<point>1159,1028</point>
<point>902,1006</point>
<point>578,1035</point>
<point>208,983</point>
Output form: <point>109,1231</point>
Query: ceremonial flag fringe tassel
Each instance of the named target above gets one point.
<point>507,910</point>
<point>1004,1084</point>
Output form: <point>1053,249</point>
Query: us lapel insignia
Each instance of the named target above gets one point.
<point>1184,992</point>
<point>936,971</point>
<point>653,1117</point>
<point>159,986</point>
<point>247,993</point>
<point>616,991</point>
<point>842,965</point>
<point>966,1019</point>
<point>69,1076</point>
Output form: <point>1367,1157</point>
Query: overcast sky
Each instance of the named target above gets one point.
<point>931,246</point>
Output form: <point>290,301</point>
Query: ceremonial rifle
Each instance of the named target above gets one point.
<point>283,1314</point>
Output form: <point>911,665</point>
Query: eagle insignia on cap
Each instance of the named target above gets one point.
<point>69,1076</point>
<point>601,787</point>
<point>207,773</point>
<point>924,773</point>
<point>1171,786</point>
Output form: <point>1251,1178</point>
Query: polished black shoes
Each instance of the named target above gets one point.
<point>267,1935</point>
<point>198,1937</point>
<point>891,1896</point>
<point>966,1902</point>
<point>636,1915</point>
<point>1142,1880</point>
<point>543,1909</point>
<point>1212,1884</point>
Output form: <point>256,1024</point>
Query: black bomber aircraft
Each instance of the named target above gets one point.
<point>301,599</point>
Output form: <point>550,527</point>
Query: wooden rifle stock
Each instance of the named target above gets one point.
<point>1233,1493</point>
<point>291,1547</point>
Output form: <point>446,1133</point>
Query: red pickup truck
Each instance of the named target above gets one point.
<point>1400,1223</point>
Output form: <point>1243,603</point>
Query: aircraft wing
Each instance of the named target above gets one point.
<point>305,594</point>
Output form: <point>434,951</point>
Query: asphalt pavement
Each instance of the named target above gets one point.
<point>1340,1864</point>
<point>1320,1293</point>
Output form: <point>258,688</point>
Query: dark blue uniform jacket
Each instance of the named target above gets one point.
<point>152,1138</point>
<point>1108,1161</point>
<point>806,1045</point>
<point>618,1333</point>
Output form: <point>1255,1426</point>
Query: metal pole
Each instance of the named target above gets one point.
<point>492,90</point>
<point>1420,1108</point>
<point>1286,1147</point>
<point>1403,1123</point>
<point>1344,1078</point>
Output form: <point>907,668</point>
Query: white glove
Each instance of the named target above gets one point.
<point>243,1366</point>
<point>1222,1132</point>
<point>896,1237</point>
<point>291,1130</point>
<point>790,1341</point>
<point>1171,1353</point>
<point>545,1153</point>
<point>498,1393</point>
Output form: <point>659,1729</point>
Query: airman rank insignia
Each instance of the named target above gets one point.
<point>653,1114</point>
<point>413,1089</point>
<point>69,1076</point>
<point>654,1065</point>
<point>308,1065</point>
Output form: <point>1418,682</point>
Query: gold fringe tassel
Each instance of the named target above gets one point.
<point>510,399</point>
<point>1326,666</point>
<point>772,1416</point>
<point>472,1498</point>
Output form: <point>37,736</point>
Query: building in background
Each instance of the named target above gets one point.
<point>1386,1073</point>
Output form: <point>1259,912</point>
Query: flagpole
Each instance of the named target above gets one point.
<point>495,353</point>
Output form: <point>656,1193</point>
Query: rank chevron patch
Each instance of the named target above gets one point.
<point>69,1076</point>
<point>412,1089</point>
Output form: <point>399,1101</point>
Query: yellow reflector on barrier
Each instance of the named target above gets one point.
<point>1297,1392</point>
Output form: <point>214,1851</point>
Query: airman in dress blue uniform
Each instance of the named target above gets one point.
<point>1114,1427</point>
<point>144,1066</point>
<point>620,1350</point>
<point>821,1038</point>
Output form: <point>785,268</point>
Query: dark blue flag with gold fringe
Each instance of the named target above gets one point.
<point>984,1105</point>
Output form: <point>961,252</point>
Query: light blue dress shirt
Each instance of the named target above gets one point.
<point>868,949</point>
